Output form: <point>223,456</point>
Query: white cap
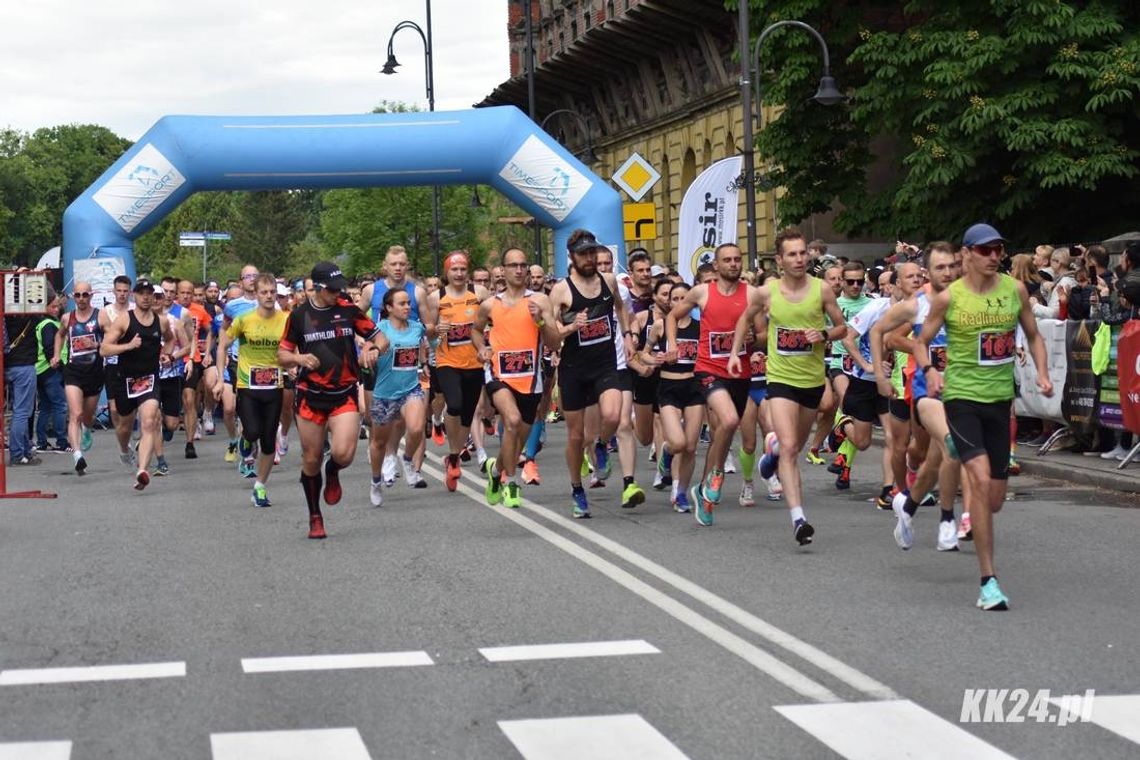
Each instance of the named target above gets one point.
<point>657,270</point>
<point>282,290</point>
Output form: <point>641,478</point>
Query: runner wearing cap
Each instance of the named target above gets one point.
<point>319,339</point>
<point>981,313</point>
<point>142,340</point>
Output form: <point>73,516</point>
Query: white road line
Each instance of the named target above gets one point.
<point>568,651</point>
<point>314,744</point>
<point>601,737</point>
<point>891,730</point>
<point>1119,714</point>
<point>817,657</point>
<point>35,751</point>
<point>754,655</point>
<point>335,662</point>
<point>94,673</point>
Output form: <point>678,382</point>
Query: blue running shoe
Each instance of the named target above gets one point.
<point>990,597</point>
<point>768,465</point>
<point>602,464</point>
<point>581,506</point>
<point>86,438</point>
<point>702,507</point>
<point>665,463</point>
<point>260,497</point>
<point>712,485</point>
<point>682,503</point>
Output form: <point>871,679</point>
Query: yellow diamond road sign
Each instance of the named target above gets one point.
<point>636,176</point>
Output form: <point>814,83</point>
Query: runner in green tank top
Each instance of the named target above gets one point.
<point>796,305</point>
<point>981,313</point>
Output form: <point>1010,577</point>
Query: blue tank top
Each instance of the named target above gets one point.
<point>83,339</point>
<point>380,287</point>
<point>937,348</point>
<point>397,370</point>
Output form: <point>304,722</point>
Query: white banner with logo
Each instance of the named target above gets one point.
<point>100,274</point>
<point>708,215</point>
<point>1030,402</point>
<point>138,188</point>
<point>546,178</point>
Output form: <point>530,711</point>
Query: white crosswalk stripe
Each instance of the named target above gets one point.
<point>568,651</point>
<point>314,744</point>
<point>336,662</point>
<point>35,751</point>
<point>600,737</point>
<point>890,730</point>
<point>1120,714</point>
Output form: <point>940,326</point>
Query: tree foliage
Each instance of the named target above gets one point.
<point>1022,112</point>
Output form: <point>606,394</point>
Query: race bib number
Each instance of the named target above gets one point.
<point>595,331</point>
<point>791,342</point>
<point>201,346</point>
<point>996,348</point>
<point>83,345</point>
<point>759,363</point>
<point>264,378</point>
<point>720,344</point>
<point>139,386</point>
<point>515,363</point>
<point>687,351</point>
<point>938,357</point>
<point>406,359</point>
<point>459,335</point>
<point>848,364</point>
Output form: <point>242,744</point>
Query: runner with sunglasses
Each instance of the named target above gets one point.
<point>83,374</point>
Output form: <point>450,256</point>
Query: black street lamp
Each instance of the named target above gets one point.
<point>827,94</point>
<point>588,154</point>
<point>390,68</point>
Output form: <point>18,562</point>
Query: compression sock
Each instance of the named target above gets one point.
<point>747,463</point>
<point>311,485</point>
<point>848,450</point>
<point>534,440</point>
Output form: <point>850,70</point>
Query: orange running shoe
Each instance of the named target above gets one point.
<point>453,472</point>
<point>437,436</point>
<point>316,526</point>
<point>530,473</point>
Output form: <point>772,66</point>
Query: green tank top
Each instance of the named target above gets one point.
<point>898,382</point>
<point>849,307</point>
<point>791,359</point>
<point>981,331</point>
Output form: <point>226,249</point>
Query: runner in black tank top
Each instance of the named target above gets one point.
<point>137,337</point>
<point>589,313</point>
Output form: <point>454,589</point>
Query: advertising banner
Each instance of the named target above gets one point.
<point>1128,374</point>
<point>1030,402</point>
<point>1108,410</point>
<point>1082,386</point>
<point>708,215</point>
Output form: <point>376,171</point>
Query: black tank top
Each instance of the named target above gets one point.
<point>687,340</point>
<point>144,359</point>
<point>590,346</point>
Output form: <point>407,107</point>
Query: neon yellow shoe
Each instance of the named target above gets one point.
<point>585,466</point>
<point>632,496</point>
<point>813,457</point>
<point>231,452</point>
<point>494,489</point>
<point>512,495</point>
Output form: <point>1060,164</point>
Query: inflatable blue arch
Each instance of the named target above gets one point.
<point>181,155</point>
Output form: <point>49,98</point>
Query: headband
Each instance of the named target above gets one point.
<point>454,257</point>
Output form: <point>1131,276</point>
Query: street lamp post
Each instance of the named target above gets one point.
<point>589,154</point>
<point>528,25</point>
<point>390,68</point>
<point>827,94</point>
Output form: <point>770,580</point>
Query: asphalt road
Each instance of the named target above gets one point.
<point>733,641</point>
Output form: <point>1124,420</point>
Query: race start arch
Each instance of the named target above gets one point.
<point>181,155</point>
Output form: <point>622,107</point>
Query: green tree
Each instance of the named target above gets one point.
<point>1021,112</point>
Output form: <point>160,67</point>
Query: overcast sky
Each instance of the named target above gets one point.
<point>123,64</point>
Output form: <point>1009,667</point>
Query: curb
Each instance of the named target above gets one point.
<point>1112,480</point>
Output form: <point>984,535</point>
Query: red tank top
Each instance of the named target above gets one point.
<point>718,324</point>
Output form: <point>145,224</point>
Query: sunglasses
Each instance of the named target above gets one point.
<point>989,250</point>
<point>249,277</point>
<point>854,282</point>
<point>81,295</point>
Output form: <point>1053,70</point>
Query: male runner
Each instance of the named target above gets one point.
<point>981,313</point>
<point>851,302</point>
<point>797,304</point>
<point>83,375</point>
<point>172,377</point>
<point>245,301</point>
<point>121,305</point>
<point>722,302</point>
<point>521,322</point>
<point>588,306</point>
<point>196,362</point>
<point>142,340</point>
<point>319,339</point>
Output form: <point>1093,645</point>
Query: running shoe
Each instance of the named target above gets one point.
<point>929,500</point>
<point>947,536</point>
<point>702,507</point>
<point>494,489</point>
<point>208,424</point>
<point>602,462</point>
<point>596,482</point>
<point>681,502</point>
<point>376,492</point>
<point>813,457</point>
<point>246,469</point>
<point>465,455</point>
<point>768,465</point>
<point>388,470</point>
<point>191,452</point>
<point>843,479</point>
<point>437,436</point>
<point>612,446</point>
<point>883,501</point>
<point>480,457</point>
<point>488,427</point>
<point>512,496</point>
<point>418,480</point>
<point>409,471</point>
<point>803,532</point>
<point>904,528</point>
<point>282,442</point>
<point>911,478</point>
<point>231,452</point>
<point>581,509</point>
<point>631,496</point>
<point>665,462</point>
<point>453,472</point>
<point>746,497</point>
<point>530,473</point>
<point>658,482</point>
<point>704,438</point>
<point>965,532</point>
<point>316,526</point>
<point>837,464</point>
<point>775,490</point>
<point>81,465</point>
<point>836,437</point>
<point>712,485</point>
<point>990,597</point>
<point>1014,465</point>
<point>772,444</point>
<point>142,480</point>
<point>276,458</point>
<point>730,462</point>
<point>333,491</point>
<point>260,496</point>
<point>162,468</point>
<point>86,438</point>
<point>363,434</point>
<point>127,457</point>
<point>1117,453</point>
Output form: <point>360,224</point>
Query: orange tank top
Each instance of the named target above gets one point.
<point>516,346</point>
<point>455,348</point>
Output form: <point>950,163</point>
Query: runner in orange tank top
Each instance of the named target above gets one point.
<point>521,320</point>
